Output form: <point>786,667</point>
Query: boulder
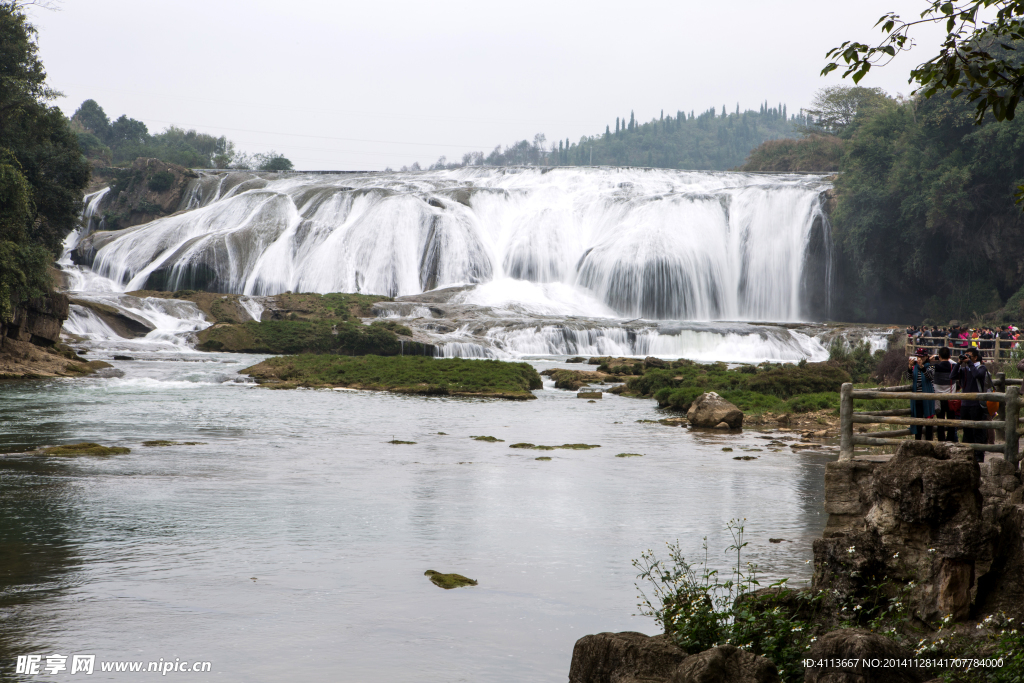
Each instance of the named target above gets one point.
<point>709,409</point>
<point>652,362</point>
<point>856,645</point>
<point>37,321</point>
<point>123,323</point>
<point>726,664</point>
<point>627,657</point>
<point>1001,589</point>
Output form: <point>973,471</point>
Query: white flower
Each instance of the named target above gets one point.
<point>896,556</point>
<point>852,548</point>
<point>931,550</point>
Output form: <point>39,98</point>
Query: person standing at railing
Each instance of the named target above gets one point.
<point>972,378</point>
<point>922,376</point>
<point>944,381</point>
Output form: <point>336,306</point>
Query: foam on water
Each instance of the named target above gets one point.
<point>741,344</point>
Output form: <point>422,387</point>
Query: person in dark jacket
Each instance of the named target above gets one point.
<point>944,381</point>
<point>922,376</point>
<point>972,380</point>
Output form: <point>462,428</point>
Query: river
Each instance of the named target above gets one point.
<point>291,544</point>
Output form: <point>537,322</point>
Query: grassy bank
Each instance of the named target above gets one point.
<point>799,388</point>
<point>302,336</point>
<point>295,323</point>
<point>402,374</point>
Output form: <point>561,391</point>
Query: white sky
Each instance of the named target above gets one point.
<point>370,84</point>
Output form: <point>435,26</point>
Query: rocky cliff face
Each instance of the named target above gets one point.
<point>37,321</point>
<point>148,190</point>
<point>29,343</point>
<point>929,518</point>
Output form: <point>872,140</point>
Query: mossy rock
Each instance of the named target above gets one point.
<point>162,442</point>
<point>578,446</point>
<point>727,450</point>
<point>489,439</point>
<point>85,448</point>
<point>399,441</point>
<point>630,455</point>
<point>448,581</point>
<point>744,457</point>
<point>543,457</point>
<point>522,445</point>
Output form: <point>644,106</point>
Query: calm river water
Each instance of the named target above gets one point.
<point>291,545</point>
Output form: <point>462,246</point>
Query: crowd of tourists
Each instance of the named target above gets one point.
<point>942,373</point>
<point>962,337</point>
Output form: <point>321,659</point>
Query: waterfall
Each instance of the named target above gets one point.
<point>733,343</point>
<point>627,243</point>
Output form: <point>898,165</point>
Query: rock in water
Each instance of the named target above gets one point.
<point>622,657</point>
<point>710,409</point>
<point>854,646</point>
<point>726,664</point>
<point>448,581</point>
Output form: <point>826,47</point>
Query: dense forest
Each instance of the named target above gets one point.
<point>712,140</point>
<point>122,141</point>
<point>925,222</point>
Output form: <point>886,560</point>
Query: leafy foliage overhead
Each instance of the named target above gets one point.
<point>977,58</point>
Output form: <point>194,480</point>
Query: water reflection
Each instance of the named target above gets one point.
<point>38,553</point>
<point>296,530</point>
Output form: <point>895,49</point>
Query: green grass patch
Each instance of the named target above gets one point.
<point>85,448</point>
<point>304,336</point>
<point>629,455</point>
<point>448,581</point>
<point>403,374</point>
<point>489,439</point>
<point>399,441</point>
<point>543,457</point>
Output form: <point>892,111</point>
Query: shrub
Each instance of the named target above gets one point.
<point>808,403</point>
<point>161,181</point>
<point>791,380</point>
<point>698,610</point>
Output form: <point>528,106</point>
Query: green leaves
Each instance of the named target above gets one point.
<point>994,82</point>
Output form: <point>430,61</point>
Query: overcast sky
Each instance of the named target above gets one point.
<point>365,85</point>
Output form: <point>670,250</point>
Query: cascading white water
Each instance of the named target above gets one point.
<point>653,244</point>
<point>734,344</point>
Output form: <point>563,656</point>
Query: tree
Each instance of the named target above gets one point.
<point>273,161</point>
<point>42,170</point>
<point>836,106</point>
<point>126,130</point>
<point>91,116</point>
<point>977,59</point>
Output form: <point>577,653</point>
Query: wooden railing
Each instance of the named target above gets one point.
<point>1001,348</point>
<point>1008,418</point>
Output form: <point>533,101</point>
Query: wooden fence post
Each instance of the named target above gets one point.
<point>1012,450</point>
<point>846,422</point>
<point>999,383</point>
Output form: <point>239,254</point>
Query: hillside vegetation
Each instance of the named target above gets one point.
<point>924,221</point>
<point>712,140</point>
